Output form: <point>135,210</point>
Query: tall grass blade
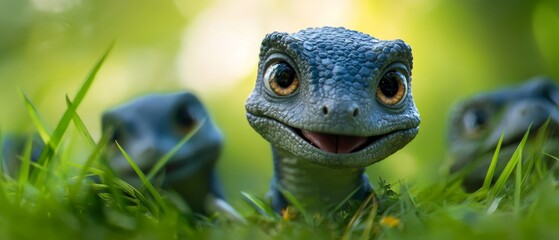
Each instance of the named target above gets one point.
<point>2,172</point>
<point>466,170</point>
<point>163,160</point>
<point>493,205</point>
<point>144,180</point>
<point>260,205</point>
<point>516,157</point>
<point>90,160</point>
<point>71,110</point>
<point>132,193</point>
<point>1,157</point>
<point>80,126</point>
<point>345,200</point>
<point>38,121</point>
<point>518,184</point>
<point>107,175</point>
<point>60,129</point>
<point>24,168</point>
<point>491,169</point>
<point>350,226</point>
<point>108,179</point>
<point>370,222</point>
<point>536,158</point>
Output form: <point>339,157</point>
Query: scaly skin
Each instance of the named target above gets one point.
<point>331,101</point>
<point>476,125</point>
<point>150,126</point>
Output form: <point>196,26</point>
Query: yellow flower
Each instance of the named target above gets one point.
<point>390,221</point>
<point>288,214</point>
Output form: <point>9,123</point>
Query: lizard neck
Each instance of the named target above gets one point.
<point>315,187</point>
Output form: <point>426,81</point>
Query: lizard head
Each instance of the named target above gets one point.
<point>148,127</point>
<point>476,125</point>
<point>337,97</point>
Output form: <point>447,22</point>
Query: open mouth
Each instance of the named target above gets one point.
<point>337,143</point>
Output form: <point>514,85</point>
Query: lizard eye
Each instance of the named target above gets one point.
<point>475,122</point>
<point>184,119</point>
<point>281,79</point>
<point>392,88</point>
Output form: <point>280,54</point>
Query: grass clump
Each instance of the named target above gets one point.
<point>58,197</point>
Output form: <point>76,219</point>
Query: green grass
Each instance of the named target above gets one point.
<point>59,198</point>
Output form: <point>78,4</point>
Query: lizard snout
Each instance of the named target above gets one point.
<point>340,109</point>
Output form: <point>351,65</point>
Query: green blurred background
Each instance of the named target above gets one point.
<point>211,48</point>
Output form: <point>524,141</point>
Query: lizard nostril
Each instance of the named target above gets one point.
<point>325,110</point>
<point>353,109</point>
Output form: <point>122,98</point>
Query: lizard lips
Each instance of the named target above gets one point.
<point>334,143</point>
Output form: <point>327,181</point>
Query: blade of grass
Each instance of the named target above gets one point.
<point>144,180</point>
<point>493,205</point>
<point>260,205</point>
<point>90,77</point>
<point>90,160</point>
<point>518,184</point>
<point>163,160</point>
<point>466,170</point>
<point>491,170</point>
<point>107,176</point>
<point>38,121</point>
<point>370,222</point>
<point>42,128</point>
<point>408,203</point>
<point>91,171</point>
<point>60,129</point>
<point>540,167</point>
<point>2,172</point>
<point>133,194</point>
<point>97,148</point>
<point>1,156</point>
<point>345,200</point>
<point>516,157</point>
<point>78,123</point>
<point>536,156</point>
<point>349,228</point>
<point>24,169</point>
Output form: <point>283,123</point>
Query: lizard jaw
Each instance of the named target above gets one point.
<point>290,139</point>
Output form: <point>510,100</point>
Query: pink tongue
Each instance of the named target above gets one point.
<point>334,143</point>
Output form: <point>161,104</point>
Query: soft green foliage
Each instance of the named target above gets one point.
<point>71,204</point>
<point>460,47</point>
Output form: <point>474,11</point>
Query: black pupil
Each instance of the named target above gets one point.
<point>184,118</point>
<point>389,84</point>
<point>476,119</point>
<point>480,118</point>
<point>283,75</point>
